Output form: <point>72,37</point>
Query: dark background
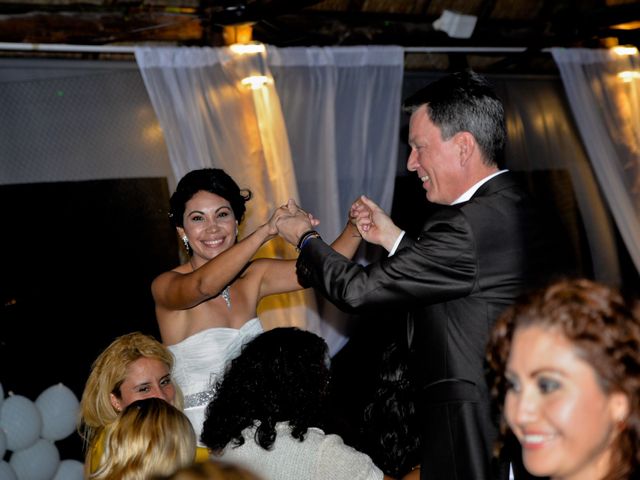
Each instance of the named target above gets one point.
<point>77,262</point>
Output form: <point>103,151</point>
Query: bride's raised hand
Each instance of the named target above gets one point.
<point>280,212</point>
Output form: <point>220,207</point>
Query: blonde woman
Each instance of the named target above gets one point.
<point>133,367</point>
<point>150,437</point>
<point>211,470</point>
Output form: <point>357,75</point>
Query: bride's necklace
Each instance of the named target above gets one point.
<point>226,294</point>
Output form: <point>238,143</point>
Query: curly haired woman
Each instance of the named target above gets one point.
<point>566,367</point>
<point>269,409</point>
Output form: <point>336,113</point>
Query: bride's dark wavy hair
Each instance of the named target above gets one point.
<point>282,375</point>
<point>212,180</point>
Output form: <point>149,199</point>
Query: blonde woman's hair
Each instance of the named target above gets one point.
<point>108,372</point>
<point>211,470</point>
<point>150,437</point>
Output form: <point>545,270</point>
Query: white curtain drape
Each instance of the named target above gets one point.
<point>210,118</point>
<point>603,92</point>
<point>327,128</point>
<point>342,110</point>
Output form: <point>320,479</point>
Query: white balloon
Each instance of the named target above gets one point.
<point>59,408</point>
<point>69,470</point>
<point>38,462</point>
<point>3,444</point>
<point>21,421</point>
<point>6,472</point>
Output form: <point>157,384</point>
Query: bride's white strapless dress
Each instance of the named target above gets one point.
<point>201,359</point>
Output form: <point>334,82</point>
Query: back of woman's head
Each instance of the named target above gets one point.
<point>605,333</point>
<point>151,437</point>
<point>282,375</point>
<point>211,470</point>
<point>212,180</point>
<point>108,372</point>
<point>389,433</point>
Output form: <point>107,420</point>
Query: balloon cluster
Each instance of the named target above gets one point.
<point>28,431</point>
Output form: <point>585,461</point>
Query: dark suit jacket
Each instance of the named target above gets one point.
<point>470,261</point>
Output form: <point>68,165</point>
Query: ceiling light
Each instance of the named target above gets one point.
<point>625,50</point>
<point>255,81</point>
<point>253,47</point>
<point>628,76</point>
<point>627,26</point>
<point>239,33</point>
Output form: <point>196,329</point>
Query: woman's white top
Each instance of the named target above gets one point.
<point>318,457</point>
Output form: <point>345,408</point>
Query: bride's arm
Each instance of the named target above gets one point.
<point>279,276</point>
<point>173,290</point>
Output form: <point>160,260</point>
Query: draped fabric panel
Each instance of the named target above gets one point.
<point>342,111</point>
<point>606,108</point>
<point>337,108</point>
<point>211,119</point>
<point>542,138</point>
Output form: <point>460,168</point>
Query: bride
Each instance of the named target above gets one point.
<point>206,307</point>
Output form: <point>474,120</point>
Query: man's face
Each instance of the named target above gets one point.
<point>436,161</point>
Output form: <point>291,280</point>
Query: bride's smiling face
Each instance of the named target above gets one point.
<point>209,224</point>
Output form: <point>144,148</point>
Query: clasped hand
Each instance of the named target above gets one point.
<point>375,226</point>
<point>292,221</point>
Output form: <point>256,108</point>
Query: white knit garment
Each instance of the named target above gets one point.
<point>318,457</point>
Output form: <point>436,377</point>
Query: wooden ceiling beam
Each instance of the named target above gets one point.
<point>94,28</point>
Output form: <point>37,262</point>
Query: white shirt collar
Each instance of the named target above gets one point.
<point>469,193</point>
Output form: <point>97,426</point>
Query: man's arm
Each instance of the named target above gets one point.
<point>302,224</point>
<point>372,223</point>
<point>440,266</point>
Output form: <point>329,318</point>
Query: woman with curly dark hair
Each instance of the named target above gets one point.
<point>390,433</point>
<point>269,410</point>
<point>566,373</point>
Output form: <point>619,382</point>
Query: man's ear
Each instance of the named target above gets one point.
<point>466,145</point>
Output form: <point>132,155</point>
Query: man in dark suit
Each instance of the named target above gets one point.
<point>473,257</point>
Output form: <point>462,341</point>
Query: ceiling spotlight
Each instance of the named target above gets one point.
<point>255,82</point>
<point>242,48</point>
<point>625,50</point>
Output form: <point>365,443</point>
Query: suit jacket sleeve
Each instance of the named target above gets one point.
<point>440,265</point>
